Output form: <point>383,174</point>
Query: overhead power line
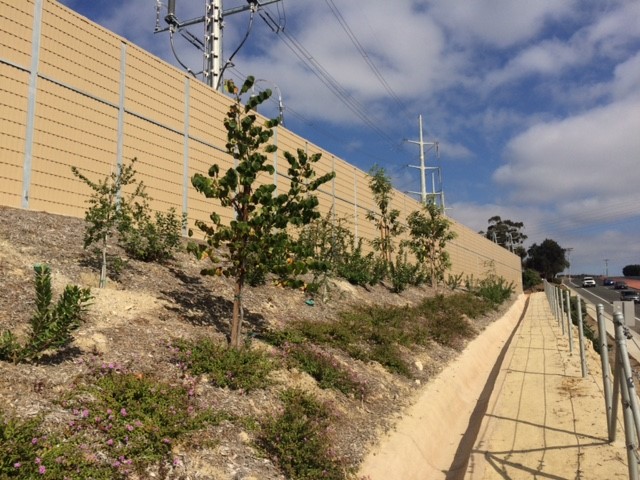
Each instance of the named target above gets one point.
<point>345,26</point>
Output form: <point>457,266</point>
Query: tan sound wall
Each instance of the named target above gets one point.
<point>75,94</point>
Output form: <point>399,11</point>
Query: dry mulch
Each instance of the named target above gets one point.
<point>132,321</point>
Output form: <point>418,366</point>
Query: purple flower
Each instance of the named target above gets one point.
<point>34,441</point>
<point>42,470</point>
<point>123,412</point>
<point>110,442</point>
<point>85,413</point>
<point>38,460</point>
<point>129,427</point>
<point>17,465</point>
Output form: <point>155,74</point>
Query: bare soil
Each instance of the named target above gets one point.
<point>133,320</point>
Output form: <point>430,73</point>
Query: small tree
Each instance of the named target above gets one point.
<point>430,232</point>
<point>387,220</point>
<point>108,206</point>
<point>261,216</point>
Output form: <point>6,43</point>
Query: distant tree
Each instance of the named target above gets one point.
<point>430,232</point>
<point>507,234</point>
<point>387,220</point>
<point>548,259</point>
<point>631,271</point>
<point>258,234</point>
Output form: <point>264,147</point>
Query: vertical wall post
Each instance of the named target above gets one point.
<point>31,103</point>
<point>121,100</point>
<point>185,151</point>
<point>355,203</point>
<point>275,160</point>
<point>333,189</point>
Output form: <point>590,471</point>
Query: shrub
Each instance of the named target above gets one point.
<point>297,439</point>
<point>132,420</point>
<point>530,278</point>
<point>148,240</point>
<point>359,269</point>
<point>123,423</point>
<point>18,450</point>
<point>236,368</point>
<point>51,326</point>
<point>494,289</point>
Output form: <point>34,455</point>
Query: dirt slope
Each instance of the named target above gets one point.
<point>132,321</point>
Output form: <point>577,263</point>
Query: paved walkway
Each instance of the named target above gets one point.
<point>543,419</point>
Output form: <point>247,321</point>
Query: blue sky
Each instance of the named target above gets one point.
<point>535,105</point>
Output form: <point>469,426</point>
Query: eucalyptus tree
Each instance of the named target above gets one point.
<point>257,235</point>
<point>507,234</point>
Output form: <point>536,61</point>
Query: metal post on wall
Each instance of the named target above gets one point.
<point>31,103</point>
<point>185,153</point>
<point>355,202</point>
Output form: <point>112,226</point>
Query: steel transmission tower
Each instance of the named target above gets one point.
<point>213,20</point>
<point>436,194</point>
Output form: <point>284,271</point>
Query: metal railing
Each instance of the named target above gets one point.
<point>619,388</point>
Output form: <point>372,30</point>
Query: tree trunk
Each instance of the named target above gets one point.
<point>103,270</point>
<point>238,315</point>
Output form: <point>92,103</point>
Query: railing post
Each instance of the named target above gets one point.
<point>569,321</point>
<point>561,307</point>
<point>583,357</point>
<point>606,369</point>
<point>629,397</point>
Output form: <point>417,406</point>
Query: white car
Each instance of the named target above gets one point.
<point>588,282</point>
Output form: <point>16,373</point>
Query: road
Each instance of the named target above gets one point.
<point>603,295</point>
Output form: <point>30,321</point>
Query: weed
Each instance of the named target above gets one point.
<point>454,282</point>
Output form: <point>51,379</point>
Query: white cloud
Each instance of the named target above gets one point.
<point>548,58</point>
<point>585,156</point>
<point>499,23</point>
